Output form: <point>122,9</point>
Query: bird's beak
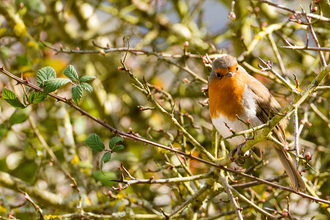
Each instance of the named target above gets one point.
<point>230,74</point>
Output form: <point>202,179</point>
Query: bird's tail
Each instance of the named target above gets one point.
<point>296,180</point>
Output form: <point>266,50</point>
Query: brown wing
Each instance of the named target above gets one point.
<point>267,107</point>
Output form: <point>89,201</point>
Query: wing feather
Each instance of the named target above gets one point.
<point>267,107</point>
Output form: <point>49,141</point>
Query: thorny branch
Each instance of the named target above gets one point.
<point>218,165</point>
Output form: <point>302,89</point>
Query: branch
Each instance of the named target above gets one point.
<point>316,42</point>
<point>231,196</point>
<point>42,196</point>
<point>310,15</point>
<point>298,100</point>
<point>190,200</point>
<point>306,48</point>
<point>53,156</point>
<point>269,67</point>
<point>270,29</point>
<point>165,181</point>
<point>161,56</point>
<point>257,208</point>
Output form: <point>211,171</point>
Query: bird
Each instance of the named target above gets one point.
<point>236,96</point>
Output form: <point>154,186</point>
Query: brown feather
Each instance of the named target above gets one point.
<point>267,107</point>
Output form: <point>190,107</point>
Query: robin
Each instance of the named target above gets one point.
<point>233,92</point>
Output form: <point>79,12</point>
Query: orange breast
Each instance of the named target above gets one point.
<point>226,96</point>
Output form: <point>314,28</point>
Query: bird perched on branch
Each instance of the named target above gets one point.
<point>235,97</point>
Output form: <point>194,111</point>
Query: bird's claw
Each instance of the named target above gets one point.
<point>240,159</point>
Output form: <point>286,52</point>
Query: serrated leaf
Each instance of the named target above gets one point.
<point>71,73</point>
<point>105,158</point>
<point>19,116</point>
<point>77,92</point>
<point>55,83</point>
<point>10,97</point>
<point>114,141</point>
<point>86,78</point>
<point>87,87</point>
<point>44,74</point>
<point>95,143</point>
<point>117,148</point>
<point>36,97</point>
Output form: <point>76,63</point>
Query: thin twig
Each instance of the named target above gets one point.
<point>310,15</point>
<point>296,135</point>
<point>257,208</point>
<point>306,48</point>
<point>36,207</point>
<point>230,195</point>
<point>190,200</point>
<point>316,42</point>
<point>165,181</point>
<point>248,145</point>
<point>270,68</point>
<point>53,156</point>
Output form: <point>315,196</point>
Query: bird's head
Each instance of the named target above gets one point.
<point>223,67</point>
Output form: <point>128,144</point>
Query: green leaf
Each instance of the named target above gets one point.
<point>19,116</point>
<point>10,97</point>
<point>54,83</point>
<point>44,74</point>
<point>36,97</point>
<point>87,87</point>
<point>114,141</point>
<point>95,143</point>
<point>86,78</point>
<point>71,73</point>
<point>117,148</point>
<point>77,92</point>
<point>105,158</point>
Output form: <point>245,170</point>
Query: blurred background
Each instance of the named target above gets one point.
<point>160,29</point>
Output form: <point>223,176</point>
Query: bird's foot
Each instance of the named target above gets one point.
<point>240,159</point>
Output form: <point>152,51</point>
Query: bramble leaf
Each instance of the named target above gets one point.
<point>54,83</point>
<point>71,73</point>
<point>45,74</point>
<point>77,92</point>
<point>36,97</point>
<point>86,78</point>
<point>10,97</point>
<point>95,143</point>
<point>87,87</point>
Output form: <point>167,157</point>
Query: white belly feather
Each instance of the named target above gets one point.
<point>249,113</point>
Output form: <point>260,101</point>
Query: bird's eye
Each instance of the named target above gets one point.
<point>218,75</point>
<point>236,68</point>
